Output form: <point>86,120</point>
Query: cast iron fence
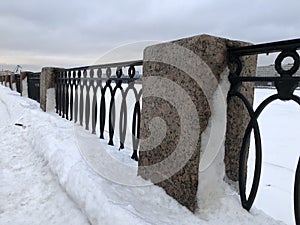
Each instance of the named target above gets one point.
<point>285,83</point>
<point>18,84</point>
<point>13,81</point>
<point>33,85</point>
<point>81,96</point>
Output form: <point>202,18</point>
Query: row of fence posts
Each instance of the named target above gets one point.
<point>15,82</point>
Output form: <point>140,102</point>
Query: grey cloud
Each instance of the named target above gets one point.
<point>82,27</point>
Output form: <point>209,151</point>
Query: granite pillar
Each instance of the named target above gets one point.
<point>47,81</point>
<point>179,82</point>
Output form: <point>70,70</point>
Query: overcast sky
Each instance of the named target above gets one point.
<point>36,33</point>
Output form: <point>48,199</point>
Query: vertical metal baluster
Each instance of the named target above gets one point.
<point>111,114</point>
<point>76,96</point>
<point>56,92</point>
<point>102,112</point>
<point>136,120</point>
<point>112,117</point>
<point>98,85</point>
<point>87,101</point>
<point>81,103</point>
<point>94,110</point>
<point>136,130</point>
<point>119,73</point>
<point>94,102</point>
<point>123,119</point>
<point>60,92</point>
<point>63,96</point>
<point>10,82</point>
<point>68,75</point>
<point>28,84</point>
<point>72,82</point>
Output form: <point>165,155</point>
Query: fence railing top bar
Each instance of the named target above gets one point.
<point>271,47</point>
<point>118,64</point>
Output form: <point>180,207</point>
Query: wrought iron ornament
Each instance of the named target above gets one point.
<point>286,83</point>
<point>78,90</point>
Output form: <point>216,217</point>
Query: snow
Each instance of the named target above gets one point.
<point>211,188</point>
<point>29,192</point>
<point>45,179</point>
<point>24,87</point>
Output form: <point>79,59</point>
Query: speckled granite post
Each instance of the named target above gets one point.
<point>182,184</point>
<point>47,81</point>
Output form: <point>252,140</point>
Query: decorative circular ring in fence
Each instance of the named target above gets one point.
<point>92,73</point>
<point>69,74</point>
<point>281,57</point>
<point>108,72</point>
<point>131,71</point>
<point>99,72</point>
<point>236,66</point>
<point>85,73</point>
<point>119,72</point>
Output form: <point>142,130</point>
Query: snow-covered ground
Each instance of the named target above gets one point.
<point>29,191</point>
<point>45,180</point>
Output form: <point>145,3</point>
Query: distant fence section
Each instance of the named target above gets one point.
<point>97,98</point>
<point>33,84</point>
<point>9,80</point>
<point>265,71</point>
<point>15,82</point>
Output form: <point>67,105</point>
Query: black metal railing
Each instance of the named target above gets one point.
<point>13,81</point>
<point>33,85</point>
<point>82,94</point>
<point>18,82</point>
<point>285,83</point>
